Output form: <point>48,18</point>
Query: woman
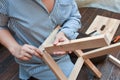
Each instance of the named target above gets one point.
<point>25,24</point>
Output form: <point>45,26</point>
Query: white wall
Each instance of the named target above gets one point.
<point>112,5</point>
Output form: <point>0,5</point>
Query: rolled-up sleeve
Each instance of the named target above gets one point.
<point>3,14</point>
<point>73,23</point>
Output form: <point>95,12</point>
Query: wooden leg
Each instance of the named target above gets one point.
<point>90,64</point>
<point>78,65</point>
<point>93,68</point>
<point>54,67</point>
<point>48,59</point>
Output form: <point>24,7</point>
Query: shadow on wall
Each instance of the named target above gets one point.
<point>111,5</point>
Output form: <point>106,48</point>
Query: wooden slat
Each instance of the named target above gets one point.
<point>82,43</point>
<point>50,38</point>
<point>77,67</point>
<point>48,59</point>
<point>93,68</point>
<point>114,60</point>
<point>54,67</point>
<point>102,51</point>
<point>89,64</point>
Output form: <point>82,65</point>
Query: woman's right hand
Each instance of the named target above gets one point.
<point>25,52</point>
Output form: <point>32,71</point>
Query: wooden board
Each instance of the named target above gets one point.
<point>104,25</point>
<point>82,43</point>
<point>53,66</point>
<point>77,67</point>
<point>114,48</point>
<point>89,64</point>
<point>48,59</point>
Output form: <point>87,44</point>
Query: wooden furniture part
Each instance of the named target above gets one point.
<point>83,43</point>
<point>114,60</point>
<point>107,26</point>
<point>53,65</point>
<point>48,59</point>
<point>103,39</point>
<point>104,25</point>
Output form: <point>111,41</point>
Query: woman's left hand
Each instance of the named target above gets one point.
<point>60,37</point>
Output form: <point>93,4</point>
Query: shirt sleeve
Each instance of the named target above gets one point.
<point>3,14</point>
<point>73,24</point>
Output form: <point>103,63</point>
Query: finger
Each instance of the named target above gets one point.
<point>38,53</point>
<point>59,52</point>
<point>28,50</point>
<point>69,52</point>
<point>61,40</point>
<point>24,58</point>
<point>32,47</point>
<point>27,55</point>
<point>33,50</point>
<point>56,41</point>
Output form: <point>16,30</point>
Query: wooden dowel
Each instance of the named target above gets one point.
<point>114,60</point>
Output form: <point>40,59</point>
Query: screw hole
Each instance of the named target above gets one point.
<point>102,28</point>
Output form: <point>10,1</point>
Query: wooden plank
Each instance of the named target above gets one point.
<point>102,51</point>
<point>50,38</point>
<point>54,67</point>
<point>93,68</point>
<point>82,43</point>
<point>78,65</point>
<point>114,60</point>
<point>89,64</point>
<point>104,25</point>
<point>48,59</point>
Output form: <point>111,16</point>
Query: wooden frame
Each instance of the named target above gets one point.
<point>102,40</point>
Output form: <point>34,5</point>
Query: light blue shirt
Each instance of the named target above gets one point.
<point>31,23</point>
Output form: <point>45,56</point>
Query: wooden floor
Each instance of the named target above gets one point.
<point>9,69</point>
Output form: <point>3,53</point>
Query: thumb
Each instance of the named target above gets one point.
<point>56,41</point>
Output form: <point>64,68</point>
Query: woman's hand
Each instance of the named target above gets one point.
<point>25,52</point>
<point>60,37</point>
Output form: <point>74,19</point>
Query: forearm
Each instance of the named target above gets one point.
<point>24,52</point>
<point>7,40</point>
<point>73,23</point>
